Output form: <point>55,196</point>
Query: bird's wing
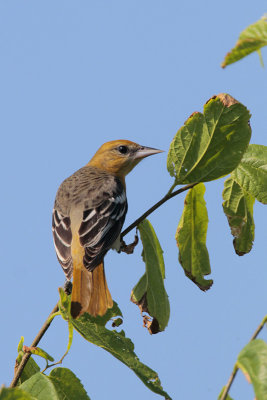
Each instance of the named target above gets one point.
<point>94,202</point>
<point>101,226</point>
<point>62,239</point>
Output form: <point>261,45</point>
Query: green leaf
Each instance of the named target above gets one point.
<point>119,346</point>
<point>252,360</point>
<point>40,386</point>
<point>140,289</point>
<point>238,208</point>
<point>253,38</point>
<point>37,351</point>
<point>210,145</point>
<point>64,306</point>
<point>117,322</point>
<point>94,331</point>
<point>149,293</point>
<point>67,385</point>
<point>29,370</point>
<point>20,345</point>
<point>251,173</point>
<point>191,238</point>
<point>15,394</point>
<point>61,384</point>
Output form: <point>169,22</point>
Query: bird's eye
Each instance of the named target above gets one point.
<point>123,149</point>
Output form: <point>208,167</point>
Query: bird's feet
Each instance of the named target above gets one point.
<point>129,248</point>
<point>67,287</point>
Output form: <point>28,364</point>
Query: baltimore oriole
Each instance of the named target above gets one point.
<point>88,216</point>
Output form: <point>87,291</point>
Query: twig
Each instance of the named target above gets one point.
<point>257,331</point>
<point>37,339</point>
<point>235,369</point>
<point>167,197</point>
<point>229,383</point>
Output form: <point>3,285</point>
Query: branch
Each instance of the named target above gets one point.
<point>235,369</point>
<point>37,339</point>
<point>167,197</point>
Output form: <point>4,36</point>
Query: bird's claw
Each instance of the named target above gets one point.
<point>67,287</point>
<point>129,248</point>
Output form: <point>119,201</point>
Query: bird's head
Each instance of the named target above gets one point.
<point>120,156</point>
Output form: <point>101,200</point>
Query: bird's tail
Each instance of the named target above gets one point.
<point>90,291</point>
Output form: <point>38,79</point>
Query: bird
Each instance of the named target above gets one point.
<point>88,215</point>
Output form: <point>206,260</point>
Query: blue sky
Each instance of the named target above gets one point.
<point>77,74</point>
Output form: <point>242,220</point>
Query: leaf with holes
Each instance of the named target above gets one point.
<point>94,331</point>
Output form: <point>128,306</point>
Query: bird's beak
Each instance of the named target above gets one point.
<point>144,151</point>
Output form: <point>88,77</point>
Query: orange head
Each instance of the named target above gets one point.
<point>119,157</point>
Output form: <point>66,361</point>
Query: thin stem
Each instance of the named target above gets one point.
<point>66,352</point>
<point>229,383</point>
<point>171,188</point>
<point>26,356</point>
<point>257,331</point>
<point>235,369</point>
<point>167,197</point>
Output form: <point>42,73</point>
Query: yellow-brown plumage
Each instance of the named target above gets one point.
<point>88,215</point>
